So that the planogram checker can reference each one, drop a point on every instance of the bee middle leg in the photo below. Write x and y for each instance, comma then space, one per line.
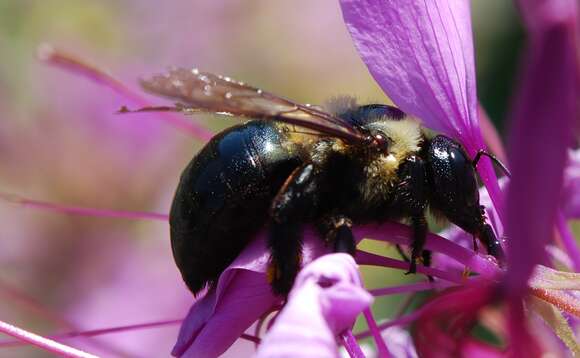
294, 202
412, 199
337, 230
419, 227
425, 257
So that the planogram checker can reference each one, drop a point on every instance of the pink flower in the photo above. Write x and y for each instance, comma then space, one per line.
243, 294
326, 299
421, 54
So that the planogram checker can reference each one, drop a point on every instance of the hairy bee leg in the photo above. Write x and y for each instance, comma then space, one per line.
419, 227
291, 205
286, 246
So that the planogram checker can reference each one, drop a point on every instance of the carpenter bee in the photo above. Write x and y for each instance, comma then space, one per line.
294, 164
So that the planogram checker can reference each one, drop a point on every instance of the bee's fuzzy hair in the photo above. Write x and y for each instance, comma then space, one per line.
406, 137
340, 104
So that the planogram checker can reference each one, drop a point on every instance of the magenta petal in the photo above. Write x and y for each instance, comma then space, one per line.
474, 349
571, 191
541, 15
446, 320
243, 294
400, 342
326, 299
214, 329
421, 54
243, 280
544, 117
344, 297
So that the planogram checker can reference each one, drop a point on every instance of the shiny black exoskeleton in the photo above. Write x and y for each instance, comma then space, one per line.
261, 174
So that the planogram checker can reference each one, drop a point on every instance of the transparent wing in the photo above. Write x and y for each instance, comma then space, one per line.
202, 91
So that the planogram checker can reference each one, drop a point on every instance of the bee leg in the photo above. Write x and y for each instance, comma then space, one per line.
337, 230
402, 253
484, 232
491, 243
293, 203
286, 247
427, 262
419, 227
344, 240
412, 199
425, 257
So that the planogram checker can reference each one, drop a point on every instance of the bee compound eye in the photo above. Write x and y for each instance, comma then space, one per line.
382, 142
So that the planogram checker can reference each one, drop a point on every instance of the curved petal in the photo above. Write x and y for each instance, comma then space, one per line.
571, 192
243, 294
215, 322
326, 299
544, 116
443, 328
400, 342
541, 15
421, 54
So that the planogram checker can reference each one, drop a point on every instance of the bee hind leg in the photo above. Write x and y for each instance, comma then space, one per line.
290, 208
286, 247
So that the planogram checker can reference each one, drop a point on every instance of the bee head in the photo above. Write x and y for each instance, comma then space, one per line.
453, 180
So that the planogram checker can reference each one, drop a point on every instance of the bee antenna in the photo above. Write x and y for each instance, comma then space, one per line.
498, 162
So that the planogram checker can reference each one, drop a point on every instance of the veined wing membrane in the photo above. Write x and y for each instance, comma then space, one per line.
202, 91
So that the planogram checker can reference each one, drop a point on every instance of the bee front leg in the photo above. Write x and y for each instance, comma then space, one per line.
492, 244
294, 203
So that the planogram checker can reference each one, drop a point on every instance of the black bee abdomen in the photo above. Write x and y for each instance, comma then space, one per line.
223, 198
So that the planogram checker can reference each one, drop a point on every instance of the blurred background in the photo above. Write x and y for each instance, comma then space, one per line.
61, 142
